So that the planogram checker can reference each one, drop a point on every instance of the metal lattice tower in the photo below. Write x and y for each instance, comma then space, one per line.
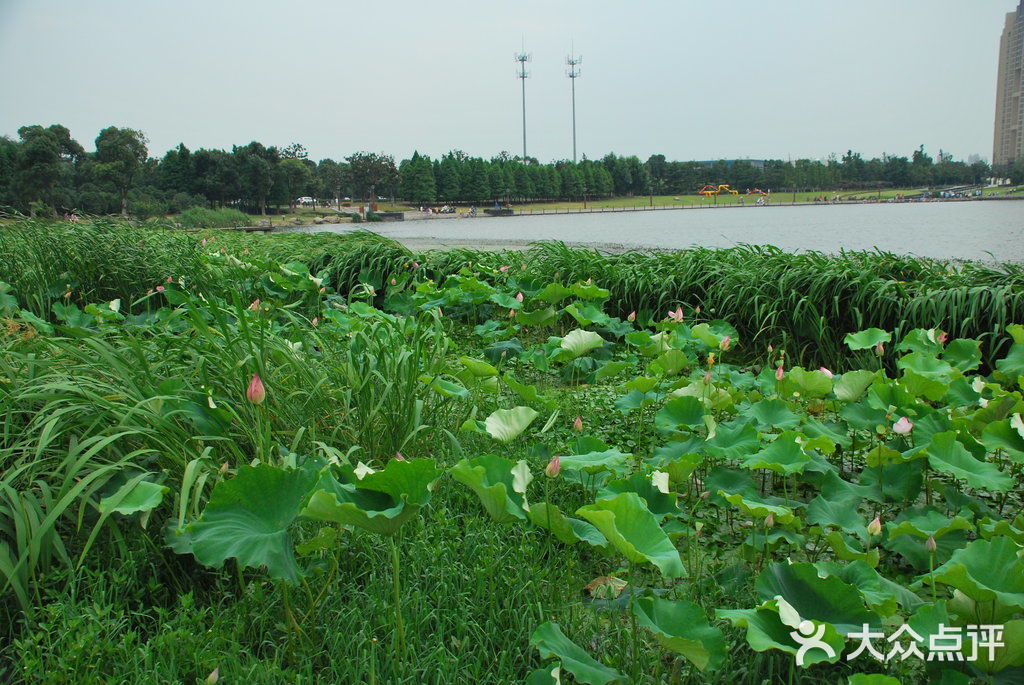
573, 72
522, 74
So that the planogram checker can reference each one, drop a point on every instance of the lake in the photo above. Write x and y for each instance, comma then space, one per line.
982, 230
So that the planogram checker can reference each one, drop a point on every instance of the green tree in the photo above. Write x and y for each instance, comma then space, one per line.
256, 166
296, 177
370, 170
39, 163
120, 153
417, 179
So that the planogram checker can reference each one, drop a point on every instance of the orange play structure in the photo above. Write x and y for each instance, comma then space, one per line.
711, 190
756, 191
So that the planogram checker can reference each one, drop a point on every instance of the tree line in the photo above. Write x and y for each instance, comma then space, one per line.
46, 170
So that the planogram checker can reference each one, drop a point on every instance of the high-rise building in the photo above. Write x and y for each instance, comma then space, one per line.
1009, 136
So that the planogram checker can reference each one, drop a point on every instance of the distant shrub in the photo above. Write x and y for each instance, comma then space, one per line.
182, 201
373, 216
145, 209
202, 217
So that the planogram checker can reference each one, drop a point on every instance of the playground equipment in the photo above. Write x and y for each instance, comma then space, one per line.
757, 191
711, 190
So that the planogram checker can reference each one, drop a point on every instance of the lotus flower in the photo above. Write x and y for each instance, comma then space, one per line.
394, 281
589, 281
779, 373
705, 495
399, 457
725, 343
875, 527
943, 337
707, 378
519, 296
503, 269
204, 241
256, 392
903, 426
316, 321
577, 425
879, 348
255, 305
213, 677
415, 265
632, 316
930, 545
159, 289
770, 348
552, 469
676, 315
769, 520
826, 372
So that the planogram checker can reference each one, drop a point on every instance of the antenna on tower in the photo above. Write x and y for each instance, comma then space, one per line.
573, 72
522, 74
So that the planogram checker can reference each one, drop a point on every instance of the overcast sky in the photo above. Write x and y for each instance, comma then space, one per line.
691, 80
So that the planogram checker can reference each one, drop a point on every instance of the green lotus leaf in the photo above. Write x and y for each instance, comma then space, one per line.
1012, 365
680, 411
733, 440
852, 385
498, 483
900, 481
505, 425
847, 549
985, 570
1016, 331
963, 353
634, 531
948, 455
836, 432
922, 341
635, 399
449, 389
566, 530
546, 676
478, 367
1014, 530
610, 369
912, 548
805, 383
248, 518
672, 362
827, 600
928, 366
594, 462
924, 523
658, 503
505, 300
587, 315
881, 594
586, 291
551, 642
553, 293
683, 628
772, 413
527, 393
1010, 655
839, 510
712, 334
765, 630
579, 342
921, 386
1001, 435
134, 496
756, 508
784, 455
968, 610
545, 316
868, 338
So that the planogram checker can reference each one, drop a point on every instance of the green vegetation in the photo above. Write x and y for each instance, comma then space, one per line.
320, 457
201, 217
47, 171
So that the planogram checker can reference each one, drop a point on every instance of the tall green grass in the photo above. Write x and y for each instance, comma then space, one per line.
203, 217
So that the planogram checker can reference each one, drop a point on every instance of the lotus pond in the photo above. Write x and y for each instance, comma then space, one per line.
229, 458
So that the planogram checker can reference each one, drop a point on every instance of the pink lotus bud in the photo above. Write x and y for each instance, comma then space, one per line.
577, 425
159, 289
440, 312
930, 545
779, 373
316, 321
255, 305
725, 343
697, 310
875, 527
256, 392
415, 265
168, 279
632, 316
769, 520
706, 494
511, 313
707, 378
826, 372
213, 677
879, 348
399, 457
503, 269
943, 337
223, 468
148, 292
589, 281
323, 290
519, 296
903, 426
394, 281
552, 469
203, 241
770, 348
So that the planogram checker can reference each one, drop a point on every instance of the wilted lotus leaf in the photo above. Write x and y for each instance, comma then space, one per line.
605, 587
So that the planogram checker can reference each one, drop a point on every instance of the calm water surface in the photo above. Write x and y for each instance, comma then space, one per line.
963, 230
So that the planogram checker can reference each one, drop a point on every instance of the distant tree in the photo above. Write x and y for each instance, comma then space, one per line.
477, 187
256, 166
295, 179
39, 163
294, 151
120, 153
8, 171
176, 170
370, 170
449, 182
332, 180
417, 179
523, 184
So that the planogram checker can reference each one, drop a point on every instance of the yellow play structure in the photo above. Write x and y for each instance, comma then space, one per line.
711, 190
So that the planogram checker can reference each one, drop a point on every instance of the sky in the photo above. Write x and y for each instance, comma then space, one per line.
690, 80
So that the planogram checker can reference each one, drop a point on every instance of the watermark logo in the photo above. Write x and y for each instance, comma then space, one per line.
809, 637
